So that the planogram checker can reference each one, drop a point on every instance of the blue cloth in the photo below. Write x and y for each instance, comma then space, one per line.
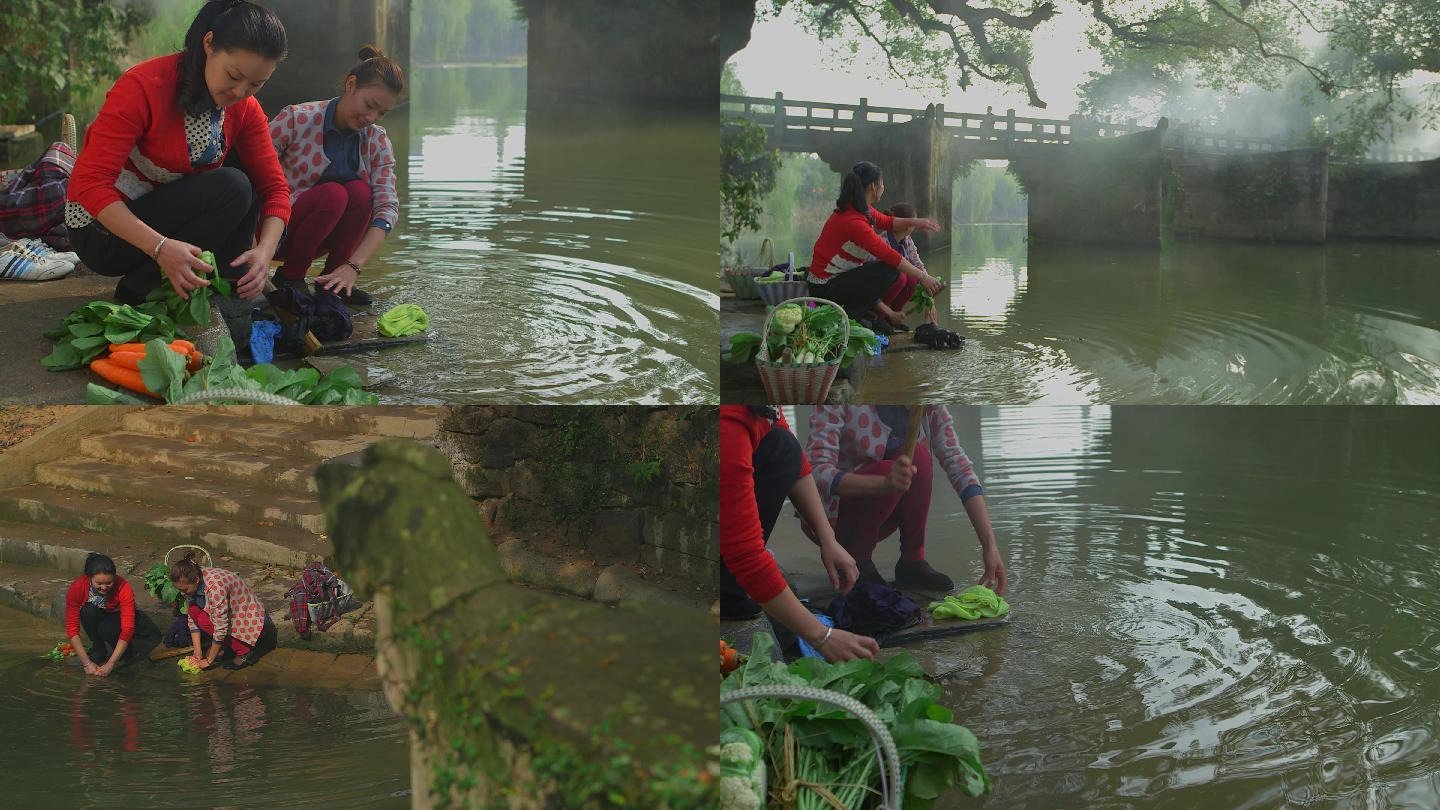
198, 598
262, 340
805, 648
342, 149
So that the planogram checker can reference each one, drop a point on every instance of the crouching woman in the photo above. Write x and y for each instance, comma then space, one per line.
226, 612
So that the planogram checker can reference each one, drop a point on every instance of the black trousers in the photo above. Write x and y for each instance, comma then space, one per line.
857, 289
103, 628
776, 462
215, 210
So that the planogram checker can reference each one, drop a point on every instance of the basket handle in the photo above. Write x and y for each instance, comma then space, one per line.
770, 318
209, 561
766, 257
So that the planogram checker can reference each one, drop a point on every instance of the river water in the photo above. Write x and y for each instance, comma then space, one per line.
563, 255
1212, 607
1197, 322
144, 738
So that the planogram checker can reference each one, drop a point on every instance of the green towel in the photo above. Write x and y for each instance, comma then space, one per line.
404, 320
975, 602
189, 667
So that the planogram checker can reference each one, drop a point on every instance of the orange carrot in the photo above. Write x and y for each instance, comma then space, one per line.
194, 361
177, 344
183, 347
130, 360
123, 377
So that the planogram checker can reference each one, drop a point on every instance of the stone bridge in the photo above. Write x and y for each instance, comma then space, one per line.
1091, 181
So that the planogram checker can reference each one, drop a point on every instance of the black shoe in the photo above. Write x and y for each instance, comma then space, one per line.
738, 608
933, 336
242, 661
880, 326
899, 327
868, 573
919, 575
356, 298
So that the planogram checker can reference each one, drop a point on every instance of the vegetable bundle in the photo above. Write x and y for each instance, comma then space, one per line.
62, 651
922, 301
158, 584
172, 376
801, 334
89, 329
823, 752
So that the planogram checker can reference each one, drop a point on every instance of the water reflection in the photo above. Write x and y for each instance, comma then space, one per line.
563, 254
1214, 607
145, 737
1199, 322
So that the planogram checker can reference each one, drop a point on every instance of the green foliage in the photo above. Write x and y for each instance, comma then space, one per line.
87, 332
643, 471
158, 585
794, 210
817, 335
747, 174
832, 748
1257, 190
988, 194
466, 30
51, 50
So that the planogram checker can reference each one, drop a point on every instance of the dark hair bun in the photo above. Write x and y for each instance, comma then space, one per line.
370, 52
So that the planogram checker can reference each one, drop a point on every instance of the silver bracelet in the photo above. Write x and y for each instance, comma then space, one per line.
821, 643
156, 254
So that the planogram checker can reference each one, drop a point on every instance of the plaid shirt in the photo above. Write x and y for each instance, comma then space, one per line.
32, 203
317, 584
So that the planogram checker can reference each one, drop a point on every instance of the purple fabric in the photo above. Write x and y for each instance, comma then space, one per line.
873, 609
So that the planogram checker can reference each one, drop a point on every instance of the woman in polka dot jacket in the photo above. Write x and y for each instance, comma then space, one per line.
341, 170
871, 490
225, 610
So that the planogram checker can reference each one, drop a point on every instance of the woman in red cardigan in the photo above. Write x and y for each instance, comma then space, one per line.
760, 465
340, 167
852, 265
103, 603
150, 191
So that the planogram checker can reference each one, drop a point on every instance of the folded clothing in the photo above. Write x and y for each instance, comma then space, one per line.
975, 602
874, 609
403, 321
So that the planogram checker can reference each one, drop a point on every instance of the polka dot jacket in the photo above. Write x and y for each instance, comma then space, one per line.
847, 437
233, 607
298, 132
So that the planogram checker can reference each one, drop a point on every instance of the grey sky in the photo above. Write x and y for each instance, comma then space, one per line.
781, 57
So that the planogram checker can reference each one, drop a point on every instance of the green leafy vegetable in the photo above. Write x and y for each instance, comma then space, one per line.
196, 310
88, 330
834, 752
158, 584
922, 301
812, 335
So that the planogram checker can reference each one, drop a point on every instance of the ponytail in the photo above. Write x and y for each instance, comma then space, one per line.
376, 68
237, 24
852, 189
185, 569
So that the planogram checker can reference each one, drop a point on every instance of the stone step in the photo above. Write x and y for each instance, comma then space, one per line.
396, 422
185, 491
64, 550
243, 467
280, 439
34, 591
162, 526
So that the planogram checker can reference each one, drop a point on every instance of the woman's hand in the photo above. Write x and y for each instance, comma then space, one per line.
340, 281
178, 262
845, 646
90, 668
994, 578
927, 224
932, 284
840, 566
105, 670
901, 473
893, 316
256, 262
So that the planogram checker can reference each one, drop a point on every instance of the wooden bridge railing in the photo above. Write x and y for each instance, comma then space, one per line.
795, 117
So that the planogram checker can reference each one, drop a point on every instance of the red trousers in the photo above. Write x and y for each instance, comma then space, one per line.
900, 292
202, 620
865, 521
329, 218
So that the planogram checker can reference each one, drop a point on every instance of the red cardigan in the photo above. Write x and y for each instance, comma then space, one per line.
121, 598
742, 540
848, 241
138, 142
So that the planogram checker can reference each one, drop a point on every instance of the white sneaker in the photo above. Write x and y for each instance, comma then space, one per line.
19, 265
44, 251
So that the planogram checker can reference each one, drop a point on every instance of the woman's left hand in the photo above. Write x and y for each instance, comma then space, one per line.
340, 281
929, 225
840, 566
256, 263
995, 578
104, 669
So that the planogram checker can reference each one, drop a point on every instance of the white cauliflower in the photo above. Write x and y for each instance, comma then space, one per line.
788, 317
